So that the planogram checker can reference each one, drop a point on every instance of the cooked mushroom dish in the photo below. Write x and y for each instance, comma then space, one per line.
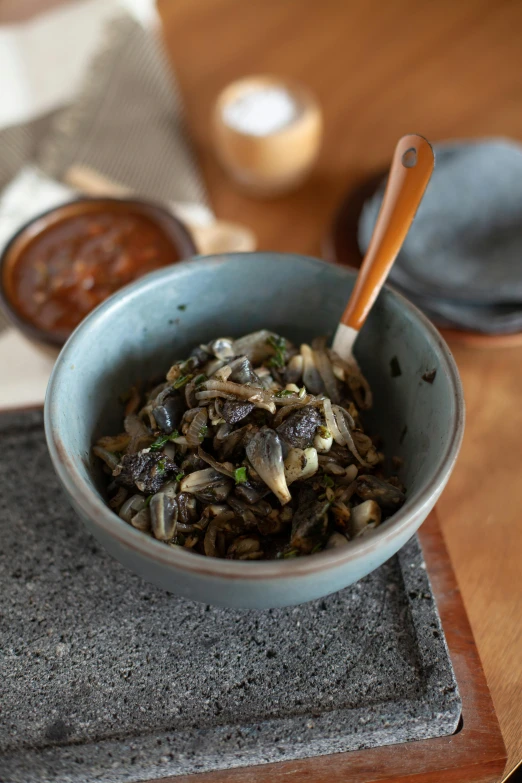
251, 449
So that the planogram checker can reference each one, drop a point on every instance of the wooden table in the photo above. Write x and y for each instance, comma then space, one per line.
443, 69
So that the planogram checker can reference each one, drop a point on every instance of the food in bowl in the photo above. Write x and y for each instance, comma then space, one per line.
251, 449
64, 263
132, 336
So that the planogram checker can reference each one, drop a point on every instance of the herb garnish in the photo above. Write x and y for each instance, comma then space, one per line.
284, 393
160, 442
240, 475
181, 381
279, 346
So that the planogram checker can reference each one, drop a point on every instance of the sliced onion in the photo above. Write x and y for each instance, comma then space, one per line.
204, 396
331, 422
311, 376
266, 406
239, 390
181, 441
108, 457
294, 369
131, 507
283, 412
114, 442
356, 381
230, 390
216, 525
283, 402
219, 466
340, 413
223, 374
324, 366
255, 346
140, 436
119, 498
193, 434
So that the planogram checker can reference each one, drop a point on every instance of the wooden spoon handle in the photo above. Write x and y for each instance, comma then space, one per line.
411, 168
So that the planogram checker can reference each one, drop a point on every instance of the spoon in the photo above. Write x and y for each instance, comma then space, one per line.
411, 168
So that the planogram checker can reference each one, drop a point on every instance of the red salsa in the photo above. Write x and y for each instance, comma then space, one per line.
77, 262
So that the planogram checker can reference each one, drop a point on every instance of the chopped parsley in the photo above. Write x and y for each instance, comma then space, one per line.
161, 467
199, 379
160, 442
181, 381
279, 346
328, 481
179, 476
148, 500
203, 432
240, 475
284, 393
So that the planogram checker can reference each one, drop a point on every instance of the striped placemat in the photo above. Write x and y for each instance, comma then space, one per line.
126, 123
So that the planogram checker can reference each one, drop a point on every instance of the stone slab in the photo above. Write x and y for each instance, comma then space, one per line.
104, 677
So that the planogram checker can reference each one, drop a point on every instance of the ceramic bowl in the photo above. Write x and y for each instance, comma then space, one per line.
142, 329
172, 228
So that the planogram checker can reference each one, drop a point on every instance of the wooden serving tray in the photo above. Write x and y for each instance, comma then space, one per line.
474, 754
60, 549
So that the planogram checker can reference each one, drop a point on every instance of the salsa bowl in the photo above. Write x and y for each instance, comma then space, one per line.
58, 266
139, 331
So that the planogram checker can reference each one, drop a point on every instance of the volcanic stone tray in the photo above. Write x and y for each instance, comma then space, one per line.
106, 678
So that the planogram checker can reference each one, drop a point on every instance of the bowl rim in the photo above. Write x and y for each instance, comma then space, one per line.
95, 509
166, 220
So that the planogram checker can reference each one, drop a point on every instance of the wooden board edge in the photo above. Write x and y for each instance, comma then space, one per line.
476, 753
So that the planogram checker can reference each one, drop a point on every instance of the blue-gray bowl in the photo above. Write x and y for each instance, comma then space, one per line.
142, 329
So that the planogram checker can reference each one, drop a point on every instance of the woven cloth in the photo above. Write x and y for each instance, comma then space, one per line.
125, 122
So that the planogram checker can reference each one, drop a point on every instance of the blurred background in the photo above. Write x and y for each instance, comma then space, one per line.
448, 70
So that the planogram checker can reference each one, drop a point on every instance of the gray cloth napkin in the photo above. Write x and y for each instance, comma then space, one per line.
462, 260
483, 318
